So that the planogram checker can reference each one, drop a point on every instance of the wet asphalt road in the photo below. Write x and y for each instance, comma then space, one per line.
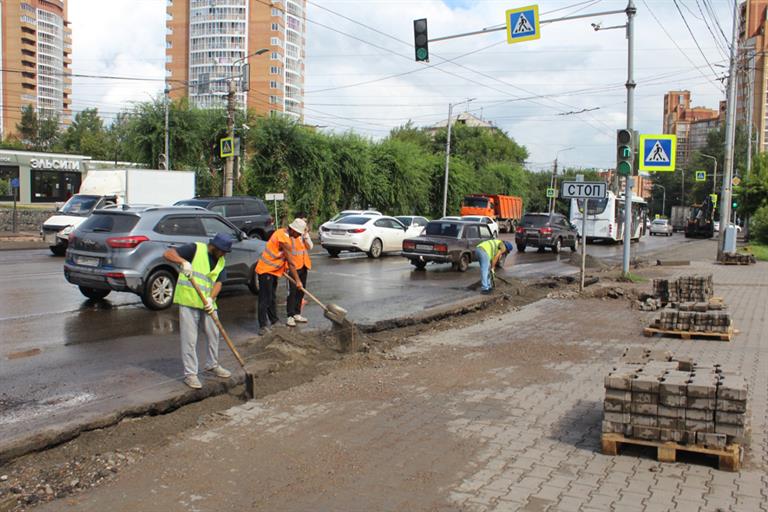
60, 353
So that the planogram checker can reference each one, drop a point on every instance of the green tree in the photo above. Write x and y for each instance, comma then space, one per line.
87, 136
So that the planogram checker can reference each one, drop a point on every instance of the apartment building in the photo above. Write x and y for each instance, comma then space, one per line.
209, 41
690, 124
36, 44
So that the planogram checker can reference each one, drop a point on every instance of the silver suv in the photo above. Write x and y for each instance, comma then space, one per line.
121, 250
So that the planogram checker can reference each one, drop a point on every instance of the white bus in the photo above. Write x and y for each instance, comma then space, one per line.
605, 217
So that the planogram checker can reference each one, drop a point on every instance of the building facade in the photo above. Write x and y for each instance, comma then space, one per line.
36, 45
690, 124
209, 41
752, 85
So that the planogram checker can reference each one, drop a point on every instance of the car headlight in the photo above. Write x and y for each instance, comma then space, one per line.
67, 230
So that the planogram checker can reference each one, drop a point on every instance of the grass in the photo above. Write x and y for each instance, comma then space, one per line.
759, 250
633, 278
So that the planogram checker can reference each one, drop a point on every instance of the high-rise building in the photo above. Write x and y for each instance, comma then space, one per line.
208, 41
690, 124
36, 45
752, 85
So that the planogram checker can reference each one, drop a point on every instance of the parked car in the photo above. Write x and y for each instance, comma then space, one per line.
249, 214
374, 235
492, 225
348, 213
661, 227
446, 241
546, 230
121, 249
414, 224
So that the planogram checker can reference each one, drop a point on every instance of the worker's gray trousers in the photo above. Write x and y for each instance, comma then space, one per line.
191, 321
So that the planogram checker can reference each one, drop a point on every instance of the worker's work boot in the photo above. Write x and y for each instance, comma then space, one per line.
291, 322
300, 319
220, 372
193, 382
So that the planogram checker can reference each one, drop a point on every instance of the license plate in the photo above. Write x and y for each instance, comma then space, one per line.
339, 233
423, 247
86, 261
50, 238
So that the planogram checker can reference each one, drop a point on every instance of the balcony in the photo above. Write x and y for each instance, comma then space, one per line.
27, 43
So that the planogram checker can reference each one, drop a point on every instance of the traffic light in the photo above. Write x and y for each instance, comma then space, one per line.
421, 40
625, 152
734, 203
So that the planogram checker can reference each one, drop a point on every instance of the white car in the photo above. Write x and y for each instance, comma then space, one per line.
347, 213
492, 224
373, 235
415, 224
661, 227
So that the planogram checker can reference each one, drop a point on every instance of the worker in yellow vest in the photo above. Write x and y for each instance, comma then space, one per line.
489, 253
272, 264
300, 247
205, 264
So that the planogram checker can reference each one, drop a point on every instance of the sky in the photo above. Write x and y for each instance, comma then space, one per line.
534, 91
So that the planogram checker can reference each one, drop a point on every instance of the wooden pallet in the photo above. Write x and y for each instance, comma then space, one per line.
729, 458
687, 335
735, 262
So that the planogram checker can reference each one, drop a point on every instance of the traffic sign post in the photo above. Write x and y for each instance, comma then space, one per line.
279, 196
550, 192
658, 153
523, 24
701, 175
227, 147
584, 190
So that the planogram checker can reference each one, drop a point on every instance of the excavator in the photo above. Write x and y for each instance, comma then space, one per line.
701, 222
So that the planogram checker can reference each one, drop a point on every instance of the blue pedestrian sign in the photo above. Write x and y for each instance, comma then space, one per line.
15, 183
523, 24
658, 152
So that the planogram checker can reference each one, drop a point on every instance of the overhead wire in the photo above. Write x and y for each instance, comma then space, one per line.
693, 36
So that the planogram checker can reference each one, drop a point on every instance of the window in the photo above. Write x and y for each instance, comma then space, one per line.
485, 232
276, 41
228, 209
275, 70
110, 223
7, 173
275, 27
273, 85
276, 56
447, 229
54, 186
471, 232
277, 12
274, 100
180, 226
214, 226
254, 208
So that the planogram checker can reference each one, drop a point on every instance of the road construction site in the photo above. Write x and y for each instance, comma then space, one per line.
496, 408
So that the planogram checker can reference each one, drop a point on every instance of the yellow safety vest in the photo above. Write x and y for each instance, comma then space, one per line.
491, 247
205, 278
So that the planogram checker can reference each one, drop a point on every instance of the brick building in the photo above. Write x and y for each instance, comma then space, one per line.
690, 124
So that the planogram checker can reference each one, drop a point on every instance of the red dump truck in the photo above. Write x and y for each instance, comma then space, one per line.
506, 210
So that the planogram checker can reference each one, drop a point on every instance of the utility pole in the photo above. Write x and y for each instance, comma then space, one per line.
448, 152
631, 11
552, 185
228, 177
730, 136
751, 103
167, 136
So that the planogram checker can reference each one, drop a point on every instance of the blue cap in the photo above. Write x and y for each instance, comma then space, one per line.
508, 245
222, 242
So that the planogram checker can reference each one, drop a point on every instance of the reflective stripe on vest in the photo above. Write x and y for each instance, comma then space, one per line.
205, 278
300, 254
491, 247
272, 260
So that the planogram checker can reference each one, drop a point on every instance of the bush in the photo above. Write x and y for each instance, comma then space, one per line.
759, 224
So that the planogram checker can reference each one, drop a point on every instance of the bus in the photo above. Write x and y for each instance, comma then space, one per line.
605, 217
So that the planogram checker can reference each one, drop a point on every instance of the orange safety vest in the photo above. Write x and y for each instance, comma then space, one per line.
272, 260
300, 254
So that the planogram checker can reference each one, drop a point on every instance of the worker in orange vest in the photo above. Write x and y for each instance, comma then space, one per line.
300, 247
272, 264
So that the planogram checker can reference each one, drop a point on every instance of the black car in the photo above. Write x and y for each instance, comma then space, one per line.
446, 241
546, 230
247, 213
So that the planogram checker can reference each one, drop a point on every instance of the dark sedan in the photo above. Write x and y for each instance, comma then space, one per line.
446, 241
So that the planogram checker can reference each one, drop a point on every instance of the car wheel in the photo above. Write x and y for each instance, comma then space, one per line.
333, 253
253, 282
256, 235
463, 264
93, 293
158, 291
420, 265
521, 247
575, 246
375, 250
557, 246
59, 250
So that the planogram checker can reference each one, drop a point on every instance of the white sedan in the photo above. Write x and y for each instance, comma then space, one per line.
358, 233
492, 224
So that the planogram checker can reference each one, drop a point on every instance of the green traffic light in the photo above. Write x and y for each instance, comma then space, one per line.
624, 169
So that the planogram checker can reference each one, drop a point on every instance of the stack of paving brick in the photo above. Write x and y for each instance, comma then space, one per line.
691, 289
739, 258
651, 397
690, 321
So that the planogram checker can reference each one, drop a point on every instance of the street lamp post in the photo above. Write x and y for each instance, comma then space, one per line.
448, 153
553, 181
714, 173
229, 179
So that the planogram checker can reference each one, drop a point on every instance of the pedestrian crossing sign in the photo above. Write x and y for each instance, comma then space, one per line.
658, 152
523, 24
701, 175
227, 147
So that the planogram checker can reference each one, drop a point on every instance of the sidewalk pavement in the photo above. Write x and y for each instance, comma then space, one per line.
503, 415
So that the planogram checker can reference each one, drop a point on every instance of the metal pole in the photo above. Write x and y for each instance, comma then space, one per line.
167, 136
714, 174
15, 218
750, 85
631, 11
583, 242
730, 136
552, 186
228, 177
447, 160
